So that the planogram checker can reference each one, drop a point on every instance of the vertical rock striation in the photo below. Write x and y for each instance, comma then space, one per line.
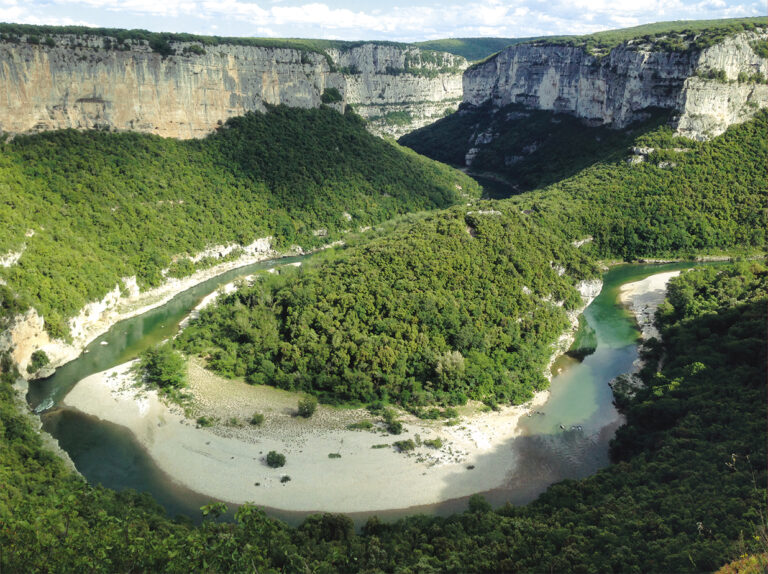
616, 88
77, 83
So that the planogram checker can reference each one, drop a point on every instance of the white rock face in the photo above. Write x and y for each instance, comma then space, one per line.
27, 333
10, 258
78, 84
377, 84
618, 88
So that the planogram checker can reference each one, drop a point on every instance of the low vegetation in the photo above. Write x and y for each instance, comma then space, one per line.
257, 419
275, 459
307, 406
676, 36
37, 361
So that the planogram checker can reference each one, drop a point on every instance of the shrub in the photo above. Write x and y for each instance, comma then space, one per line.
405, 445
163, 367
362, 425
257, 419
275, 459
307, 406
434, 443
334, 455
285, 478
205, 421
162, 47
194, 49
37, 361
394, 426
331, 96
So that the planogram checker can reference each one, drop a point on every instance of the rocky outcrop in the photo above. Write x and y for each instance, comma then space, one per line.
709, 105
26, 333
400, 89
78, 83
618, 88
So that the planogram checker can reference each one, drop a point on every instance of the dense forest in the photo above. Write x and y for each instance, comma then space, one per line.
87, 208
641, 192
685, 493
463, 303
472, 49
436, 307
455, 305
682, 198
530, 148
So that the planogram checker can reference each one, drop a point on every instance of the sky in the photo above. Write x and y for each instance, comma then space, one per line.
398, 20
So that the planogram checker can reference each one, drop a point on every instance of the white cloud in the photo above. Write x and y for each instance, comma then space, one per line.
430, 18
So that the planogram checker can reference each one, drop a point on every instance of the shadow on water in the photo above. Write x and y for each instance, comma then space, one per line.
580, 401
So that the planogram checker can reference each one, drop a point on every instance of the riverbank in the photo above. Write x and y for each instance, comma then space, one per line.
361, 470
643, 298
27, 332
227, 460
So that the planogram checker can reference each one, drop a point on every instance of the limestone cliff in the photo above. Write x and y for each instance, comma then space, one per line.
77, 83
710, 88
400, 89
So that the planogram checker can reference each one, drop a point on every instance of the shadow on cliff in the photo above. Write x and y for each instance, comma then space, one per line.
515, 149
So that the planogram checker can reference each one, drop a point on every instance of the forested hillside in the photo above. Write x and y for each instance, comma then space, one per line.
666, 196
85, 208
529, 149
461, 304
685, 495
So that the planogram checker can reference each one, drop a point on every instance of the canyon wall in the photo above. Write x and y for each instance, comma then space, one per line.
77, 82
710, 88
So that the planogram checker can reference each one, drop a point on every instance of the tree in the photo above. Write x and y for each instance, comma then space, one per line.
275, 459
164, 367
307, 406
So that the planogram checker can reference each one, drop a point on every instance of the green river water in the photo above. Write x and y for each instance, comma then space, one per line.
580, 401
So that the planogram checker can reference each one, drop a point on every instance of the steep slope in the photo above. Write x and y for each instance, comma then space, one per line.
85, 212
467, 303
711, 78
519, 149
183, 86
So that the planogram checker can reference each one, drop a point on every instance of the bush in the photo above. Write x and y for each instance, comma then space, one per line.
405, 445
194, 49
275, 459
362, 425
434, 443
307, 407
38, 360
162, 47
205, 421
163, 367
331, 96
334, 455
257, 419
394, 426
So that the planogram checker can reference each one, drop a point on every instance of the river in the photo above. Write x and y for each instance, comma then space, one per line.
580, 401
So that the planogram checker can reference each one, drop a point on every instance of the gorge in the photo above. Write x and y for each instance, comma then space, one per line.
136, 165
